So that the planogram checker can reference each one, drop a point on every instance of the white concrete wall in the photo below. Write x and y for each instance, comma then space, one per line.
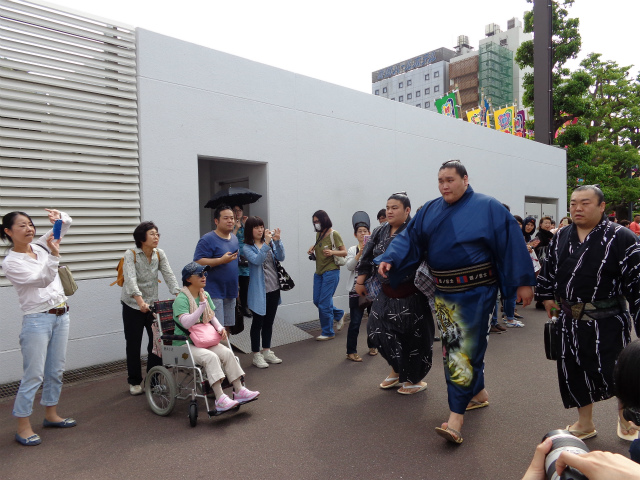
324, 146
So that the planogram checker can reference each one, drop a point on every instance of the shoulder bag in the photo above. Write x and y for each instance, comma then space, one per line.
204, 335
284, 279
69, 285
238, 327
339, 261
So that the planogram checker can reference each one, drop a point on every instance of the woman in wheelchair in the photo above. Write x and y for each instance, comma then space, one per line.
193, 305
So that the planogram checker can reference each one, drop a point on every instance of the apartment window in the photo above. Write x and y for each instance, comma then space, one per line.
417, 93
419, 105
400, 98
427, 104
377, 92
400, 85
426, 77
436, 88
384, 89
408, 83
408, 96
427, 91
436, 74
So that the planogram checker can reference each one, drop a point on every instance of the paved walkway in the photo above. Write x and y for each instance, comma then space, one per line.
319, 417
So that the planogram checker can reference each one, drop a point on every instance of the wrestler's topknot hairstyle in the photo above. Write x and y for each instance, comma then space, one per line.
457, 164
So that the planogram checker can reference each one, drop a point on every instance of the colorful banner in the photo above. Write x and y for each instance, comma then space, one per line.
504, 119
520, 124
447, 105
475, 116
484, 113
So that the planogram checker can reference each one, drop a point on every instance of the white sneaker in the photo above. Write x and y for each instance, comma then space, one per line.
258, 361
322, 338
340, 323
135, 390
270, 357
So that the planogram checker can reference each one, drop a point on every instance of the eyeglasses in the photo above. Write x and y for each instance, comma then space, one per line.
404, 194
204, 273
155, 235
595, 185
450, 161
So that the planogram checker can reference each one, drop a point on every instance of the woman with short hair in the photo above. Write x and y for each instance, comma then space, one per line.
139, 291
32, 268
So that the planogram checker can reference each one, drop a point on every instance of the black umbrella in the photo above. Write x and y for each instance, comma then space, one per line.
233, 196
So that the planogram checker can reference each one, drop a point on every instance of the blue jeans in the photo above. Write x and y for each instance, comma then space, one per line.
509, 305
324, 287
225, 311
354, 329
43, 341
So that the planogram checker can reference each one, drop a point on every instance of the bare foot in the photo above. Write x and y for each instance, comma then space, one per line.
579, 427
445, 425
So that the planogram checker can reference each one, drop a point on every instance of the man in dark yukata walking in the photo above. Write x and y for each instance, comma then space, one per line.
593, 265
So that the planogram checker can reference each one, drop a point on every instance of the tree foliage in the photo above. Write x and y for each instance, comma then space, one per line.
602, 101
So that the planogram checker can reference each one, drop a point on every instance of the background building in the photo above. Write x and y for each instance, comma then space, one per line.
463, 75
417, 81
498, 70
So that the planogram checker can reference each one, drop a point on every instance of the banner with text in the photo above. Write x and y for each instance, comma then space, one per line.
504, 119
475, 116
447, 105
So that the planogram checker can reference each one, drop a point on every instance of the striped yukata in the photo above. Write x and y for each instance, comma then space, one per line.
608, 266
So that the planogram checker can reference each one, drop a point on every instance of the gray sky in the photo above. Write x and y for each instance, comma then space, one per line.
342, 42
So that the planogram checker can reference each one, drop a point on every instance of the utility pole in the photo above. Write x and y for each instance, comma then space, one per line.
542, 69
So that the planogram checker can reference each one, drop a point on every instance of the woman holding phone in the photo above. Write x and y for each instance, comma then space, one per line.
32, 268
262, 247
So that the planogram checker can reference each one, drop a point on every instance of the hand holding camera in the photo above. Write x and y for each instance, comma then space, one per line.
268, 236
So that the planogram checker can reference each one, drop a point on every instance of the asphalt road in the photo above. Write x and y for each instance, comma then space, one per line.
319, 416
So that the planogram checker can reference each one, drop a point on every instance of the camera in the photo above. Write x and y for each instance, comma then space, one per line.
312, 256
563, 441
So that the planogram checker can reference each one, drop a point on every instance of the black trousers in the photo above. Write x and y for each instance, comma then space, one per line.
135, 322
243, 283
262, 325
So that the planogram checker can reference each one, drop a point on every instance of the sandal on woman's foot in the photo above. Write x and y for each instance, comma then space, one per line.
389, 382
410, 389
450, 435
373, 351
354, 357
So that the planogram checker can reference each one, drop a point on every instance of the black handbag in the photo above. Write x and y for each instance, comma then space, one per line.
551, 339
284, 279
239, 326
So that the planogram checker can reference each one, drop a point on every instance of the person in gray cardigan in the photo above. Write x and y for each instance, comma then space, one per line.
139, 291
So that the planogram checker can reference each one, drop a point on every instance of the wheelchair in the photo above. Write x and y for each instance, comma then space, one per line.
179, 377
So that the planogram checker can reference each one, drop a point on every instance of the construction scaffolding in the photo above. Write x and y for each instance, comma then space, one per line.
496, 74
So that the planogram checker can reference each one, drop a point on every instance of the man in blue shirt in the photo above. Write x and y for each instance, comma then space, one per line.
218, 249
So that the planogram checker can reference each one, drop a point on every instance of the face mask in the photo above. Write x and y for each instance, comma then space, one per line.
318, 227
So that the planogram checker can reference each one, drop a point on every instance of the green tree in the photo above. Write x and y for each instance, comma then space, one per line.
604, 146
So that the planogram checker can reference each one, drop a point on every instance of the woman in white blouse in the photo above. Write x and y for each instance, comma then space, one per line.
32, 268
139, 291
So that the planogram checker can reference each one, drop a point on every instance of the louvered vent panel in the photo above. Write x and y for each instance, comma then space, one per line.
69, 129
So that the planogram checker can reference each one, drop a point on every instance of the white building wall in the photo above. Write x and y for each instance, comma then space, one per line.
310, 145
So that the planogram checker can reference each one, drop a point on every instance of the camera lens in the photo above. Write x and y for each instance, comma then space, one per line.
563, 441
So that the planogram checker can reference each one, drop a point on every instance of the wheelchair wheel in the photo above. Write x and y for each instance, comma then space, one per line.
193, 414
160, 388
